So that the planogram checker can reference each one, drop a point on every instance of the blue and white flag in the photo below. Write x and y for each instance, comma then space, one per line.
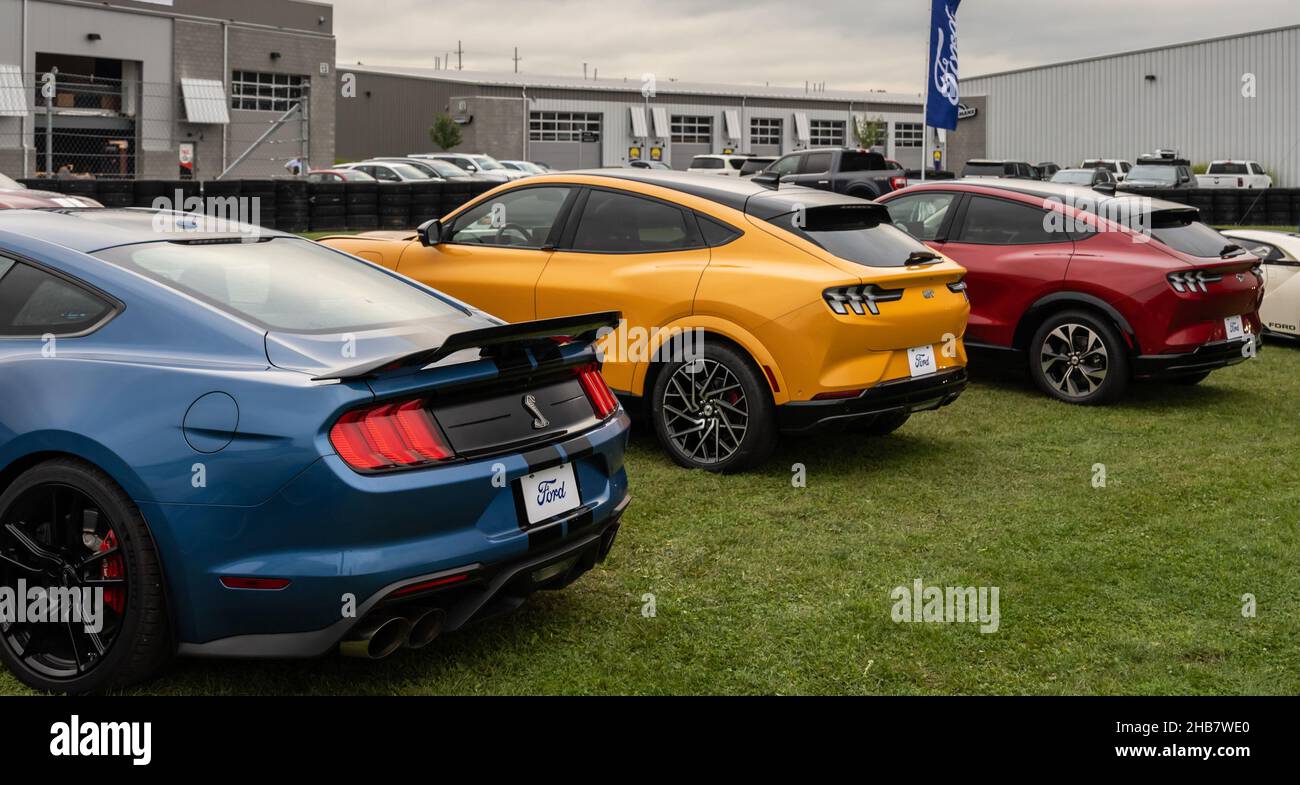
941, 93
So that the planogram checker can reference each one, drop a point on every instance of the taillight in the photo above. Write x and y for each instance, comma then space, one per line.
1197, 280
389, 436
898, 183
843, 298
602, 398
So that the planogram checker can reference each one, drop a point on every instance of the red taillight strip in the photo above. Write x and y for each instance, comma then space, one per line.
389, 436
433, 584
602, 398
263, 584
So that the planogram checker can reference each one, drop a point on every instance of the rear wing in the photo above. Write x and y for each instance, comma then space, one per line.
583, 328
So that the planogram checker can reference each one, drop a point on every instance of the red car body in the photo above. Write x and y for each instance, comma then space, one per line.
1168, 290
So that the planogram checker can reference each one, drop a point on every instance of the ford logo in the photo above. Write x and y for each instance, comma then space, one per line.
928, 294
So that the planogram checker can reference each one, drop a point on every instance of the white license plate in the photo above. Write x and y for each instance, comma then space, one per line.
920, 361
1235, 327
549, 493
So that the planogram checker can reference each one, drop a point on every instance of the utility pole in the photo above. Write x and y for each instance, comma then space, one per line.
460, 51
517, 58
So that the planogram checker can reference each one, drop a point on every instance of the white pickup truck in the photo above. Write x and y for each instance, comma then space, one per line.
1234, 174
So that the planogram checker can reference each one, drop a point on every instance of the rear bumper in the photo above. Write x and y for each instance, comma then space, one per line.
912, 395
1219, 354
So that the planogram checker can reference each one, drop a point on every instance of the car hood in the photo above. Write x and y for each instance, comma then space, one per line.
318, 353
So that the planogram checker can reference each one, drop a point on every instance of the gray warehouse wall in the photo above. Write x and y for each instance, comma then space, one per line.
1108, 108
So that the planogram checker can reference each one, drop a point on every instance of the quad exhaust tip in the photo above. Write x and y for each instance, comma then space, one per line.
426, 626
376, 639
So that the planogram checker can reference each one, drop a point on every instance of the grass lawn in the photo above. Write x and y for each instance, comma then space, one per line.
761, 587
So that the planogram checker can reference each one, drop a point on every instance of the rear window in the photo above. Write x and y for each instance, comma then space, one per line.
1164, 175
1107, 165
1190, 237
1073, 178
984, 170
857, 233
862, 162
1227, 169
701, 162
283, 284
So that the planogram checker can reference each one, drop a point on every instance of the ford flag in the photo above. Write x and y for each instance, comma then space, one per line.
941, 90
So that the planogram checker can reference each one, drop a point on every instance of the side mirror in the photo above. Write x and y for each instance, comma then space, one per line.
430, 233
471, 168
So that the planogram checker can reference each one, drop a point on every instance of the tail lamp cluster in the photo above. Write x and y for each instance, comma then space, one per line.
1194, 281
898, 183
859, 299
405, 435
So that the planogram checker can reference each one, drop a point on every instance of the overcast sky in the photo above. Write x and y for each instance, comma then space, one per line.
849, 44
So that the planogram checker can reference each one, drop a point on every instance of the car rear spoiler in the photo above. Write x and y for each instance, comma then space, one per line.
583, 328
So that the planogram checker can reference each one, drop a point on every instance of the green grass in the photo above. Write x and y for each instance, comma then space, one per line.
765, 588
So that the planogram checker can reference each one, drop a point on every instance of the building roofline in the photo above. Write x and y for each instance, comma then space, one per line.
1126, 53
546, 81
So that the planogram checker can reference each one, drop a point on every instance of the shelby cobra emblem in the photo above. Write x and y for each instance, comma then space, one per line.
539, 419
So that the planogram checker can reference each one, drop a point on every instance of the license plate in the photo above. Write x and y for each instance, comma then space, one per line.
1235, 327
920, 361
549, 493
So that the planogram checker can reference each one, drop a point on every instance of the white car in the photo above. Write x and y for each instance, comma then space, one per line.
1281, 254
388, 171
728, 165
1234, 174
483, 165
1115, 166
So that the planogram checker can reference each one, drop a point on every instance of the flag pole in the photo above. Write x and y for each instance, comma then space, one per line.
925, 99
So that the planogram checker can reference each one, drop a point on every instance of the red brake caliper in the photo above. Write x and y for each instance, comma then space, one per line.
114, 596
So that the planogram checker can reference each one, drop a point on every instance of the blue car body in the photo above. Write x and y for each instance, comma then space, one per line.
228, 455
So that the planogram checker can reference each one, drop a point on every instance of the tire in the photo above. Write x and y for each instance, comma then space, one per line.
883, 424
1192, 379
141, 643
745, 406
1086, 360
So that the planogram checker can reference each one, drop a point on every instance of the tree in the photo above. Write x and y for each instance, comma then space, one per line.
870, 131
445, 132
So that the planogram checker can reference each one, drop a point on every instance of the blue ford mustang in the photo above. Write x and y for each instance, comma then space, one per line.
251, 445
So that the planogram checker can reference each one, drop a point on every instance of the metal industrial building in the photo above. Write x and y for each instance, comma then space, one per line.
1235, 97
137, 88
577, 123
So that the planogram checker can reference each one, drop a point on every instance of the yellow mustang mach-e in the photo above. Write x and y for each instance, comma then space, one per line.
751, 308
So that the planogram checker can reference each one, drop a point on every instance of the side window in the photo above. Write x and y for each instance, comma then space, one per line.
620, 223
715, 232
34, 303
384, 173
518, 219
1000, 222
787, 165
921, 215
1264, 251
816, 163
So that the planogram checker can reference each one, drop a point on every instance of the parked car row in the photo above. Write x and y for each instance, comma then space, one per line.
1164, 169
445, 167
474, 416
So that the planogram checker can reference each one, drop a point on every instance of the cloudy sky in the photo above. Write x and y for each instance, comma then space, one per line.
849, 44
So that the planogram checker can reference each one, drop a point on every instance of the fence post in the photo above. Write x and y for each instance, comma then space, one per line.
47, 91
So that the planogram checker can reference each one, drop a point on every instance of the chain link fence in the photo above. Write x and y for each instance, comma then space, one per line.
72, 125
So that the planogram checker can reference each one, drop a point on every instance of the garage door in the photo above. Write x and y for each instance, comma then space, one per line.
683, 153
566, 155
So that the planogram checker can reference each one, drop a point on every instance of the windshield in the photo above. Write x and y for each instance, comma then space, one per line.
486, 162
444, 169
6, 182
407, 171
283, 284
984, 170
1165, 175
1073, 178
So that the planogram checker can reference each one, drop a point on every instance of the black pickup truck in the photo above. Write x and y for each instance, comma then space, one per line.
839, 169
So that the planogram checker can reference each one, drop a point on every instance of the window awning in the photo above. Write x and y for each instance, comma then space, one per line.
662, 129
733, 124
205, 101
801, 127
639, 129
13, 95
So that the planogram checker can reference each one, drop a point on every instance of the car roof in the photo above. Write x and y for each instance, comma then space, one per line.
734, 192
1048, 190
95, 229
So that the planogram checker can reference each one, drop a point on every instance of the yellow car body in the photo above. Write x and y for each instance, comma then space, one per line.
759, 279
